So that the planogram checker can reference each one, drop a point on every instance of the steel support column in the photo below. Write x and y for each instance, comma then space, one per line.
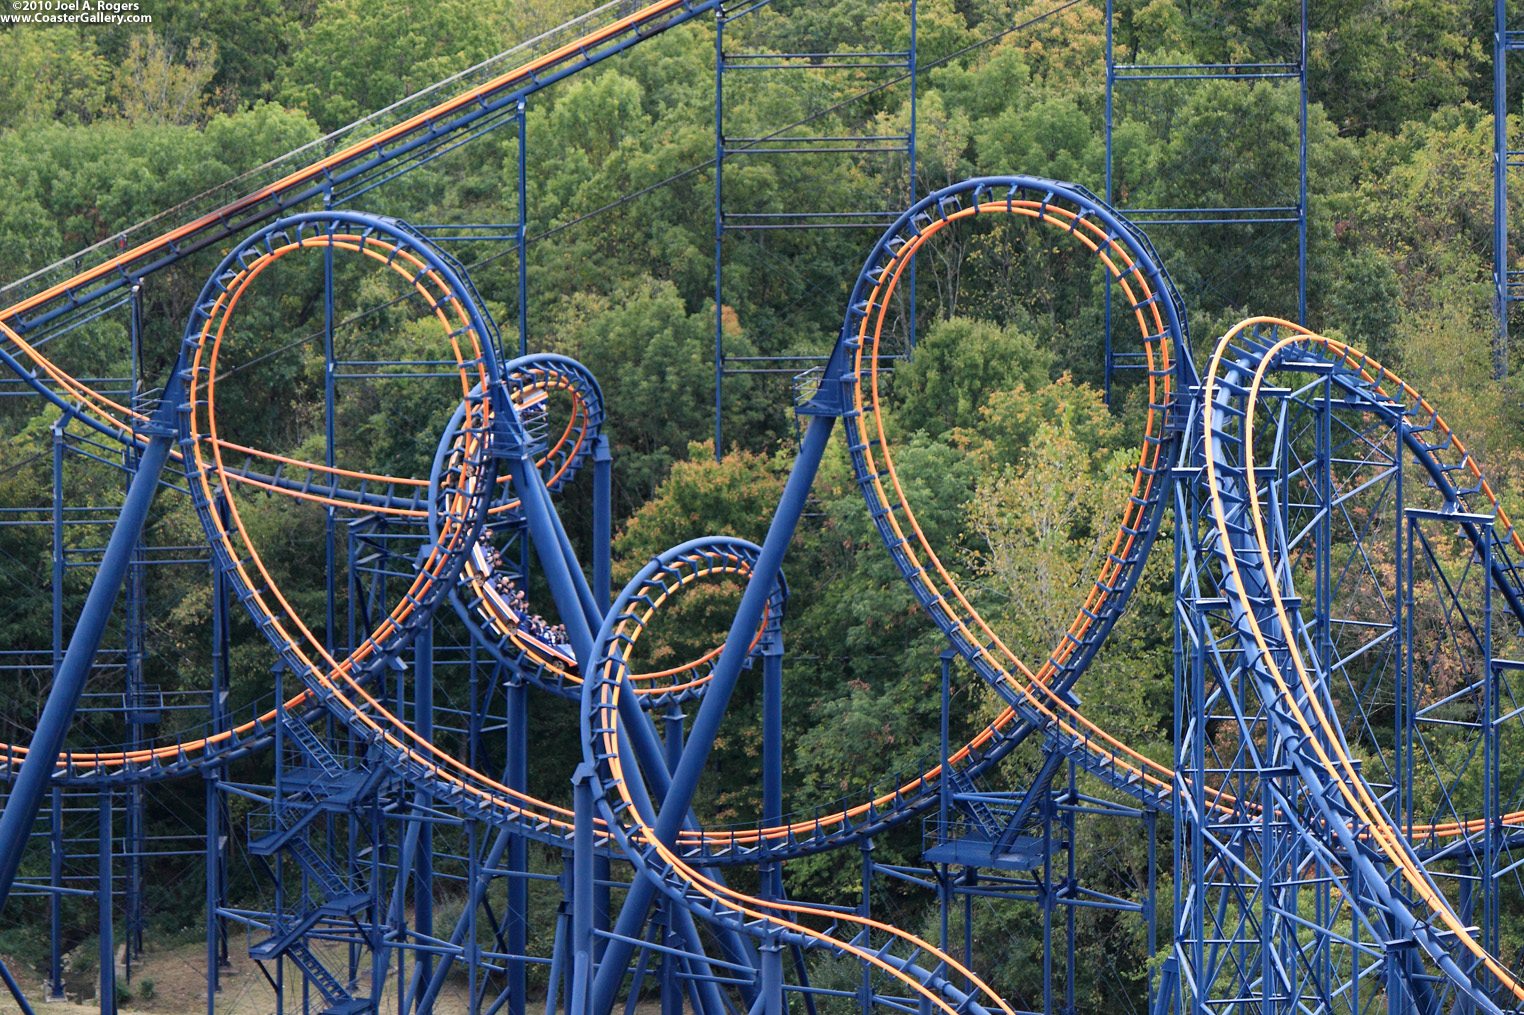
103, 893
727, 670
516, 777
1500, 165
423, 866
73, 671
603, 524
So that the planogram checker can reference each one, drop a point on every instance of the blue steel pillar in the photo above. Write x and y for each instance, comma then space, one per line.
970, 879
1500, 49
1301, 200
134, 839
330, 515
103, 890
1111, 73
212, 849
378, 928
210, 775
772, 732
330, 459
865, 940
1150, 825
279, 868
711, 711
1492, 810
914, 69
1402, 717
1071, 891
671, 986
523, 234
559, 982
603, 510
516, 777
53, 725
770, 874
423, 868
772, 976
944, 799
1045, 891
55, 904
601, 900
719, 223
944, 783
561, 963
217, 820
582, 893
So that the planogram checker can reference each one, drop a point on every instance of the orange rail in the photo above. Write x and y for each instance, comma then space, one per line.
308, 174
747, 907
1337, 764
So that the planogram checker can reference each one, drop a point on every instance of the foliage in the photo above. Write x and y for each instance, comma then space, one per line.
157, 88
1013, 462
357, 57
73, 185
1045, 518
50, 75
957, 366
656, 360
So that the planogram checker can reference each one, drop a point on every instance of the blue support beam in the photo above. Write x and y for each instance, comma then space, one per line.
516, 776
74, 669
1502, 292
423, 867
1278, 214
103, 891
603, 520
700, 739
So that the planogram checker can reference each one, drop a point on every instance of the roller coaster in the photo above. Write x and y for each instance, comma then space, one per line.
1345, 796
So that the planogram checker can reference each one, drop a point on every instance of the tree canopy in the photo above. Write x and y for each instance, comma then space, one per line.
1007, 445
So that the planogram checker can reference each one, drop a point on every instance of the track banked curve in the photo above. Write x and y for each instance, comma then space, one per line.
1037, 699
1267, 628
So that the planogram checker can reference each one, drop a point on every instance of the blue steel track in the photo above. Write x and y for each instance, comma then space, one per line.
1272, 791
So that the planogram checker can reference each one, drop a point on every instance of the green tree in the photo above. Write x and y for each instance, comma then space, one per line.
160, 86
1051, 137
359, 56
1046, 525
956, 367
73, 186
51, 73
655, 363
1365, 304
254, 40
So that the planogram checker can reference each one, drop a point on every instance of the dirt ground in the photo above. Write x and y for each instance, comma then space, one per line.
178, 987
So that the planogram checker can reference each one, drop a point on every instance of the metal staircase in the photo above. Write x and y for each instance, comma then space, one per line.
327, 785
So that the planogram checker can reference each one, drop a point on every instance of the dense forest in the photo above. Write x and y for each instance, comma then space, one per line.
1007, 436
